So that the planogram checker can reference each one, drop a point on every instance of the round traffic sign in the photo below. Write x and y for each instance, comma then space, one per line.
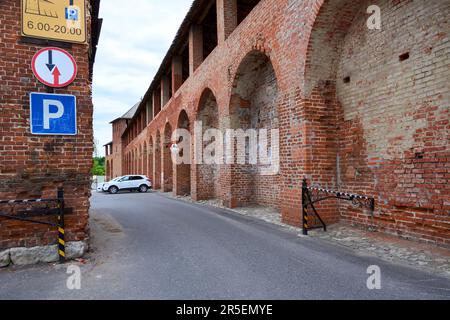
54, 67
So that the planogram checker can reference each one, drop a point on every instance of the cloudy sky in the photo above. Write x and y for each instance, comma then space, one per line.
134, 39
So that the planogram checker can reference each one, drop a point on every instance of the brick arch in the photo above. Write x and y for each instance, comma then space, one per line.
151, 159
167, 164
254, 105
134, 171
205, 90
244, 63
136, 160
206, 182
365, 107
259, 45
139, 159
145, 158
321, 110
332, 20
157, 161
182, 172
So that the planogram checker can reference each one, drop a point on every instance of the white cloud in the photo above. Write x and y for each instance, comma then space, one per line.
134, 39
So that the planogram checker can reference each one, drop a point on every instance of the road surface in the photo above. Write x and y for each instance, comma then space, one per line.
147, 246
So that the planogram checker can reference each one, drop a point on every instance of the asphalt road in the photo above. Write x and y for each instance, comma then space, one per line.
146, 246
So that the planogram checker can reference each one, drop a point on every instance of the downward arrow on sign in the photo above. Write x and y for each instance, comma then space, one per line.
56, 75
50, 64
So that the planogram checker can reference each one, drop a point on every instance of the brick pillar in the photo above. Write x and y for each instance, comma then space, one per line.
166, 162
195, 48
157, 165
150, 163
156, 102
149, 111
177, 73
226, 18
165, 93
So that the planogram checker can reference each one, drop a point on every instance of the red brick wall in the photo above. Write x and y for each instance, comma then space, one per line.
393, 115
35, 166
384, 134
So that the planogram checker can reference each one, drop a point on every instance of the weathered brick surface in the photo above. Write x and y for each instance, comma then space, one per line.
35, 166
352, 114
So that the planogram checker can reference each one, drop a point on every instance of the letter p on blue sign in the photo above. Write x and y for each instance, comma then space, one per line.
53, 114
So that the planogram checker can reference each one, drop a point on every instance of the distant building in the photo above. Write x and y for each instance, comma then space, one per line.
114, 150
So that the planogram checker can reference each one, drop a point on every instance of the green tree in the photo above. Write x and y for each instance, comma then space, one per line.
98, 166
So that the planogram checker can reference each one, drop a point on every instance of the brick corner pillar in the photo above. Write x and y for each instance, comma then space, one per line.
226, 18
177, 74
195, 47
165, 90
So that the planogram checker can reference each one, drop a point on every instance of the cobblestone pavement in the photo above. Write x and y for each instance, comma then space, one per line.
389, 248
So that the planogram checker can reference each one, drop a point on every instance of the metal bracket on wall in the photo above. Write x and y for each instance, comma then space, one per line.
312, 195
30, 210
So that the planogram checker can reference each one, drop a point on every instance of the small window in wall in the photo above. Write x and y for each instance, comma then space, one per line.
347, 79
244, 7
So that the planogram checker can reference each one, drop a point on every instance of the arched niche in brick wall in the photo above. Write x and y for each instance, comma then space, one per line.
150, 159
167, 176
157, 162
139, 159
254, 113
373, 104
207, 173
183, 170
145, 158
128, 163
135, 164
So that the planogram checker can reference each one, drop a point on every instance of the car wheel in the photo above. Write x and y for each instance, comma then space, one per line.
143, 188
113, 190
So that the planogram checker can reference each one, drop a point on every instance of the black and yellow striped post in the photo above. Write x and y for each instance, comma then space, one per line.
61, 231
305, 207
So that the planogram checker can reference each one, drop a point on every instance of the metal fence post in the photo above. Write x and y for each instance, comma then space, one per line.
61, 230
304, 207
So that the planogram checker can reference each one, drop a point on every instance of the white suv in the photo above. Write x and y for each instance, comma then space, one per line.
132, 182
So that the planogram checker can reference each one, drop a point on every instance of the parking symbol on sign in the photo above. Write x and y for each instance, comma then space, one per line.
53, 114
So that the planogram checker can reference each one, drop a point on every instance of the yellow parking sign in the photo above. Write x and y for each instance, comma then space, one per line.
62, 20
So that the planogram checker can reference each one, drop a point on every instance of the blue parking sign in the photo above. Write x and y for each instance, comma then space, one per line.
53, 114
